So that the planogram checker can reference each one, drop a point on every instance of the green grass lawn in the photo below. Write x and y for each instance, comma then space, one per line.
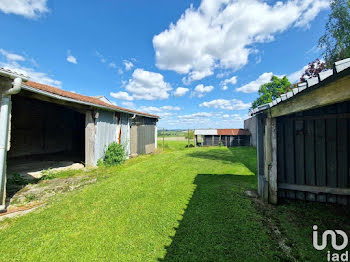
180, 205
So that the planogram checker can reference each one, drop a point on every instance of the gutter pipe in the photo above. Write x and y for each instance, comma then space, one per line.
4, 129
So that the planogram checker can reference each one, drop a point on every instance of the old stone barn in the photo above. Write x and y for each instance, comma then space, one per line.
303, 140
40, 123
224, 137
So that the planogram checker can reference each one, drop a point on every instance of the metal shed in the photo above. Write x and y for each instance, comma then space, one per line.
303, 140
225, 137
44, 123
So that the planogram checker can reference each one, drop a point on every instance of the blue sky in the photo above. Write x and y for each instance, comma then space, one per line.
197, 64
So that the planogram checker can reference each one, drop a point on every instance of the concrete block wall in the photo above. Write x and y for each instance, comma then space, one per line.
250, 124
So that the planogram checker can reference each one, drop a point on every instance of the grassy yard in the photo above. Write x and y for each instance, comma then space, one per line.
180, 205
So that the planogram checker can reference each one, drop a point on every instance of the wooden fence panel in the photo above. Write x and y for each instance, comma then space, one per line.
313, 151
342, 152
281, 174
320, 148
310, 177
289, 159
299, 157
331, 138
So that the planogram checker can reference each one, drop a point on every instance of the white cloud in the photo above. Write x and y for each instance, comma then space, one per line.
33, 75
201, 90
181, 91
220, 33
122, 96
254, 86
159, 109
222, 74
224, 84
148, 85
150, 109
19, 64
165, 114
112, 65
26, 8
233, 104
128, 65
71, 58
199, 115
173, 108
295, 76
130, 105
101, 57
11, 56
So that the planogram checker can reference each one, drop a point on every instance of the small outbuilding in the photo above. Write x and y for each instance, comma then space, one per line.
303, 140
225, 137
43, 123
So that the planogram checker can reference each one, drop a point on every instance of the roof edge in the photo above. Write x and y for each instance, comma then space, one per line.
101, 104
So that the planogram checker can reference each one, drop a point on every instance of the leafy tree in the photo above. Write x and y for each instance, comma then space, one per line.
189, 135
272, 90
313, 69
336, 40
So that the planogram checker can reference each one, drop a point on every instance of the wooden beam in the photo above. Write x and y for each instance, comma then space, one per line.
316, 189
260, 154
74, 106
320, 117
273, 162
335, 92
89, 139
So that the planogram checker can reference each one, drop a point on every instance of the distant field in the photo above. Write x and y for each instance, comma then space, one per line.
173, 138
171, 133
173, 144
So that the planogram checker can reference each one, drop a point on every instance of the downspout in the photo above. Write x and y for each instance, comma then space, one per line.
4, 129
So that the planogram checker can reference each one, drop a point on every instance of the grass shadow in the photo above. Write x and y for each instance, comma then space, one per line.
219, 223
245, 155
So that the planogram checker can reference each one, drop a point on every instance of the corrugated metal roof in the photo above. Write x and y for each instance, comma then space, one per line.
204, 132
312, 82
11, 74
233, 132
222, 132
74, 97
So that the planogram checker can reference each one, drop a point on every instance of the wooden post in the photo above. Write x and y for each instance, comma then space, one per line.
195, 140
273, 197
89, 139
163, 138
188, 137
262, 183
270, 161
212, 140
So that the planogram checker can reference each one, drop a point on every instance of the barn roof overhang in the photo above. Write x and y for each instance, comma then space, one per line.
61, 95
329, 87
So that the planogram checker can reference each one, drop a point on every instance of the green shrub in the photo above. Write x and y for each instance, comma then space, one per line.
16, 179
115, 155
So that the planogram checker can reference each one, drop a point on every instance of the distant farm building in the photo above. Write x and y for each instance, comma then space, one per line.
44, 123
224, 137
303, 140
